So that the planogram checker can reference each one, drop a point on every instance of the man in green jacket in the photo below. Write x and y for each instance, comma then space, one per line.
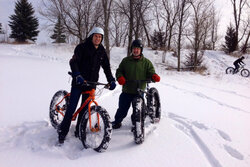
134, 67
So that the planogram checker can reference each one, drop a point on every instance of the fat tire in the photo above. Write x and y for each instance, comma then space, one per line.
154, 104
244, 72
55, 117
139, 117
105, 118
230, 70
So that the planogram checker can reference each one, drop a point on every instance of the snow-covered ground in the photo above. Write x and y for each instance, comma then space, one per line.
205, 118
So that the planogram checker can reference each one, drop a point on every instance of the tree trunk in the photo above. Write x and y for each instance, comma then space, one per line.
106, 10
131, 25
245, 46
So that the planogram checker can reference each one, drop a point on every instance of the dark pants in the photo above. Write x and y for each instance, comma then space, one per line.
236, 67
125, 101
73, 101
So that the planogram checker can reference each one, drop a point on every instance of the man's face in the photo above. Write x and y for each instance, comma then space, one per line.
136, 52
97, 38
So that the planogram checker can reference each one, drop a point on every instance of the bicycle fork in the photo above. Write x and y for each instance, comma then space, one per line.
97, 127
90, 100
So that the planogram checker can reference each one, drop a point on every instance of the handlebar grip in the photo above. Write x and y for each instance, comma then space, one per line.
70, 73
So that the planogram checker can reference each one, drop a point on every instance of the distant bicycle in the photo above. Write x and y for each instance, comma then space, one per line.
243, 71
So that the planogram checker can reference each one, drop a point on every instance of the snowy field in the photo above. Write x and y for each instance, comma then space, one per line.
205, 118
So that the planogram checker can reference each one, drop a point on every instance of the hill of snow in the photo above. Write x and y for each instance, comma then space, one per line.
205, 118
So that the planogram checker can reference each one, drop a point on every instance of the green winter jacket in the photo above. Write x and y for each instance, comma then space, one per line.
132, 69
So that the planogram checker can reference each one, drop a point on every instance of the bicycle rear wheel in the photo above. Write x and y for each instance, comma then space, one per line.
139, 117
55, 106
244, 73
230, 70
100, 138
154, 105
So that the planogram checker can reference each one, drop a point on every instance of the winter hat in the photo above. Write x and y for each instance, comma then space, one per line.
137, 44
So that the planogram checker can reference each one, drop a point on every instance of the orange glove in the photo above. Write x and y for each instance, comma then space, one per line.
156, 78
121, 80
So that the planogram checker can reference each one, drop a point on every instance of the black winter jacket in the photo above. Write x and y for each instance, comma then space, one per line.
87, 60
238, 61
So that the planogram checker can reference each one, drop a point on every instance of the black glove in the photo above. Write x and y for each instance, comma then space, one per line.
112, 85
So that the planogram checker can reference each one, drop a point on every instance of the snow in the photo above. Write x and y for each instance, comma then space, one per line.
205, 118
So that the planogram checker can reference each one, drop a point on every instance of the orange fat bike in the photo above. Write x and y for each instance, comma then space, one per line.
95, 127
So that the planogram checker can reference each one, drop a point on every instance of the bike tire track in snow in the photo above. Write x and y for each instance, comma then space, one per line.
199, 94
213, 88
191, 133
187, 127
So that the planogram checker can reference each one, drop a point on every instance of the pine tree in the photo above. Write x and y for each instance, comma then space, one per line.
59, 31
23, 23
158, 40
230, 40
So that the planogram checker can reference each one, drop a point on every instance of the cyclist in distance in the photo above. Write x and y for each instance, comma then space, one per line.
85, 64
237, 63
134, 67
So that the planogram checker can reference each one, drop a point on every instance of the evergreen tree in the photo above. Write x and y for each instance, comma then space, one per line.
230, 40
59, 31
158, 40
23, 23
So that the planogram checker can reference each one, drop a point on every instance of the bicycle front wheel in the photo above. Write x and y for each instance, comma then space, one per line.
244, 73
230, 70
59, 102
154, 105
139, 117
98, 136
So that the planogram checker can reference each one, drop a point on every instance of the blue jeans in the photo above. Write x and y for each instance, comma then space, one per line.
125, 101
75, 95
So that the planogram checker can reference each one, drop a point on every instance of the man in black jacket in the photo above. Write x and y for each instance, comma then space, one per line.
85, 64
237, 63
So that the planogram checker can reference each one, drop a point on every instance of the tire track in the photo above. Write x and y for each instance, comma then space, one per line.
213, 88
187, 128
201, 95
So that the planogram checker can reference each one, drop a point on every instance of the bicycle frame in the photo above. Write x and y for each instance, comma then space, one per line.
90, 100
140, 94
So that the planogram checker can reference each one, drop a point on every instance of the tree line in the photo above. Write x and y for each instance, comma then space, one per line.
169, 25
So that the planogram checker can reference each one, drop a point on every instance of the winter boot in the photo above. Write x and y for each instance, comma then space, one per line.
61, 139
116, 125
61, 136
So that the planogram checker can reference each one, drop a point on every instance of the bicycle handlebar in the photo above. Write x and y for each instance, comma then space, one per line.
87, 83
139, 81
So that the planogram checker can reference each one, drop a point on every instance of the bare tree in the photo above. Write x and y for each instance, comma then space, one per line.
142, 20
127, 8
107, 4
78, 16
136, 12
246, 44
170, 15
198, 23
131, 25
157, 15
119, 26
182, 17
238, 6
206, 29
214, 27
